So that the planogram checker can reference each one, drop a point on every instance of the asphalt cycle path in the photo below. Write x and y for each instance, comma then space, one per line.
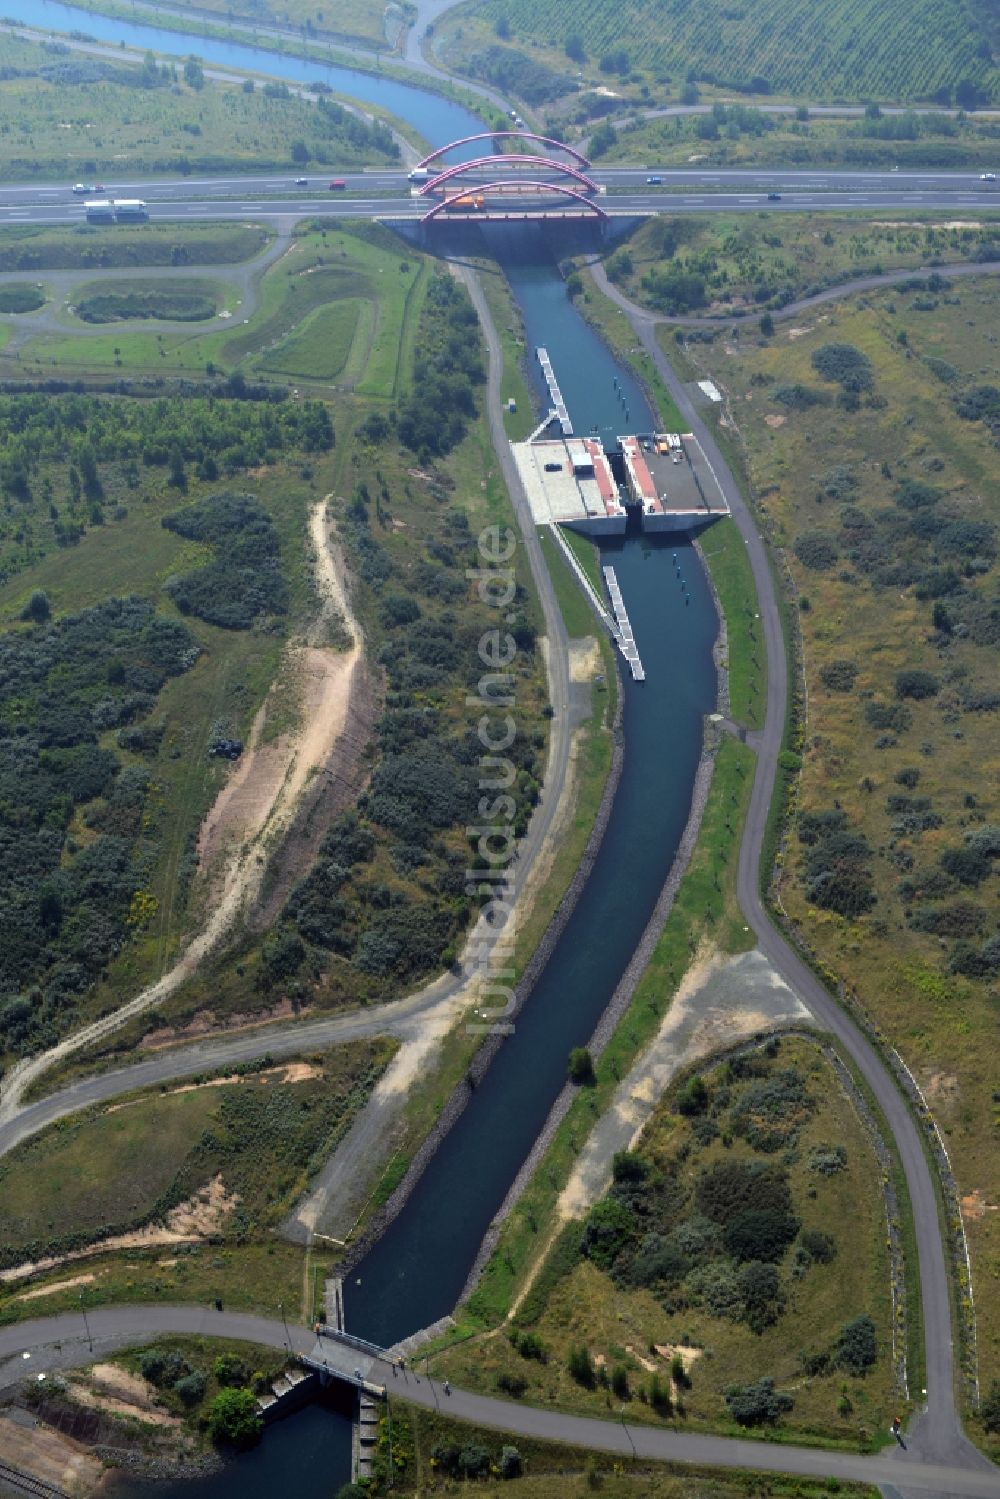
68, 1342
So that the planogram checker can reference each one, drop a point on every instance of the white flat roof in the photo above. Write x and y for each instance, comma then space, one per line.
558, 494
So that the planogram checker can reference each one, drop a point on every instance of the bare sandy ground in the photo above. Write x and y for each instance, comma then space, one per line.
108, 1387
721, 1001
57, 1285
584, 659
195, 1219
49, 1456
289, 1072
251, 817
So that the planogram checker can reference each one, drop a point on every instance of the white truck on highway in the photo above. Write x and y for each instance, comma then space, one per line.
116, 211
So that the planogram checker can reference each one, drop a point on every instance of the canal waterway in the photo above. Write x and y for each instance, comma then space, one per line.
417, 1270
415, 1273
583, 364
307, 1455
439, 120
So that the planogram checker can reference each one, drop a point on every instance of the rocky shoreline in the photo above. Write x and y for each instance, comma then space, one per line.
148, 1468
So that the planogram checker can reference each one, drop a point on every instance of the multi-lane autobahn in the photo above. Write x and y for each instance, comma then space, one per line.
624, 190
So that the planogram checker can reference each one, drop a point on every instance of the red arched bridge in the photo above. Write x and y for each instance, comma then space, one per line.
502, 135
472, 201
501, 163
506, 174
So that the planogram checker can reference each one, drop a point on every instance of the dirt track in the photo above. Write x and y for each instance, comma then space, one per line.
252, 813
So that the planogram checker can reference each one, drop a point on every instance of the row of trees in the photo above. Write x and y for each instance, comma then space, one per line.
447, 370
224, 435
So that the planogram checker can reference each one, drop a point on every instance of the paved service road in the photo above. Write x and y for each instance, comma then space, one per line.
937, 1431
63, 1343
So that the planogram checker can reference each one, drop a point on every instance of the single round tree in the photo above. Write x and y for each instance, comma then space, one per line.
581, 1065
37, 609
233, 1417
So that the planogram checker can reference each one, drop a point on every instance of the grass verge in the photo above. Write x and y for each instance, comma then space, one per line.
409, 1438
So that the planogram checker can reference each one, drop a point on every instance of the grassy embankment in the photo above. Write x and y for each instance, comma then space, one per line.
751, 53
507, 320
559, 1471
76, 117
355, 20
193, 299
724, 262
114, 1170
632, 1310
361, 295
32, 248
737, 135
877, 509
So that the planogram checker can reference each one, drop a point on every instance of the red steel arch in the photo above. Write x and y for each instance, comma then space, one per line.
492, 135
500, 162
492, 187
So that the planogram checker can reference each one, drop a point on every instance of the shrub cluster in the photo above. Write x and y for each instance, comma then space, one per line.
63, 908
514, 73
243, 580
757, 1404
448, 367
846, 365
838, 864
717, 1237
